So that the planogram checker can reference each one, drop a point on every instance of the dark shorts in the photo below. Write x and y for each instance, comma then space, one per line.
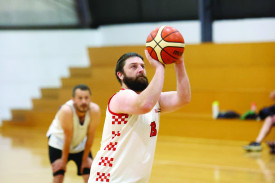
55, 154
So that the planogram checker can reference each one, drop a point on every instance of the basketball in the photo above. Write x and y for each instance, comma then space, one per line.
165, 44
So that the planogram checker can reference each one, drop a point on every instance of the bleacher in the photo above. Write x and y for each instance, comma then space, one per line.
233, 74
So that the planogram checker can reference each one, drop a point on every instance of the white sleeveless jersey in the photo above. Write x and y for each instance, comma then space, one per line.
127, 148
56, 132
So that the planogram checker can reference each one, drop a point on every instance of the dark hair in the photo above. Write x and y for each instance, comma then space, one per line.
81, 87
121, 62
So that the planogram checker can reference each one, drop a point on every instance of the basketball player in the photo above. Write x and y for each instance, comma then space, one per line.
132, 120
71, 134
269, 121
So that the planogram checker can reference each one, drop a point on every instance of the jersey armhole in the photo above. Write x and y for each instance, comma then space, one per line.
113, 113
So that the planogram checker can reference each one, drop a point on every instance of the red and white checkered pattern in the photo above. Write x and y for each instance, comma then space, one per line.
111, 146
114, 134
105, 161
103, 177
121, 119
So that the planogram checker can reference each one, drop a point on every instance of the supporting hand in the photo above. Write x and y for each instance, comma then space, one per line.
59, 164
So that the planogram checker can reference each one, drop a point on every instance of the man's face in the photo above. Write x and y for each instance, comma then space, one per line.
82, 100
134, 75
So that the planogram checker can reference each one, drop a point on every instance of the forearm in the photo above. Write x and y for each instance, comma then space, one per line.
151, 94
87, 149
183, 84
66, 148
272, 95
66, 121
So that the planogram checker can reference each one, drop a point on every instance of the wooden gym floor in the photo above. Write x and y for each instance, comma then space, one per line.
24, 158
191, 148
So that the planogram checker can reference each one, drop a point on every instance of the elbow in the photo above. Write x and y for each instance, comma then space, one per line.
186, 100
147, 107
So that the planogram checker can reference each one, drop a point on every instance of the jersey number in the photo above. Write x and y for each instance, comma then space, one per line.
153, 129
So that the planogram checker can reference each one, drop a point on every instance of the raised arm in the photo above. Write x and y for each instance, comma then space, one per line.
173, 100
130, 102
272, 95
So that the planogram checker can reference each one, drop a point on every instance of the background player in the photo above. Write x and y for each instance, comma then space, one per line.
269, 121
71, 134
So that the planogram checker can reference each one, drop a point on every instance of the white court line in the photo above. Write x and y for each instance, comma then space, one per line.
213, 166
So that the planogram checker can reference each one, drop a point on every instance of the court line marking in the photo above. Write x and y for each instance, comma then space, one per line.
164, 162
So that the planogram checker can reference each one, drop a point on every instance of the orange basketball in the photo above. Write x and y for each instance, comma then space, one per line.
165, 44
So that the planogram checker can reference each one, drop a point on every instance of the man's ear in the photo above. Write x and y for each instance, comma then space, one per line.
73, 99
120, 75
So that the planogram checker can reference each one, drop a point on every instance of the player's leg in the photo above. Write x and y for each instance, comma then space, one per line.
271, 144
86, 177
77, 158
256, 145
58, 178
54, 154
86, 171
265, 129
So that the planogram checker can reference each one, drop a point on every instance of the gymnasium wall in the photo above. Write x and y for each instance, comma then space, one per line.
30, 60
233, 74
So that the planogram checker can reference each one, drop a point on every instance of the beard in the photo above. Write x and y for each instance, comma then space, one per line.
82, 108
137, 84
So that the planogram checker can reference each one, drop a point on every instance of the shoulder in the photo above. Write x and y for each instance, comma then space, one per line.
124, 94
126, 91
65, 116
65, 109
94, 108
122, 97
95, 113
125, 101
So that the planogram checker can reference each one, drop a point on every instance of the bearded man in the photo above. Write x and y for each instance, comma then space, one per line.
132, 120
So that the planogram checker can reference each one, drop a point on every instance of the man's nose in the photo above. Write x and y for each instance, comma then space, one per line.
84, 100
140, 69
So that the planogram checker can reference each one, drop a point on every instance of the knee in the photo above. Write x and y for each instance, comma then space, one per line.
269, 120
58, 178
59, 173
272, 119
86, 171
